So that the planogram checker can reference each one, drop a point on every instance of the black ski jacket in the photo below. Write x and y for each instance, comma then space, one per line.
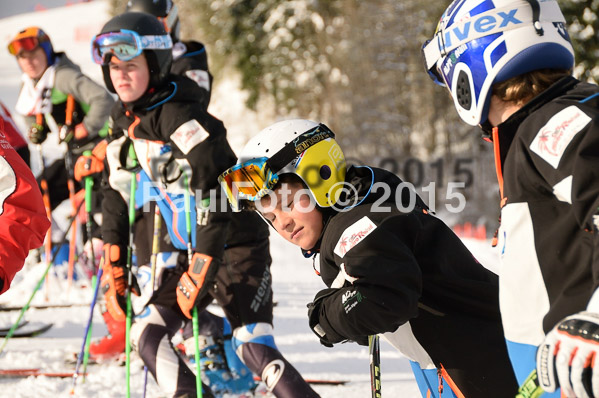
406, 274
549, 175
190, 59
173, 136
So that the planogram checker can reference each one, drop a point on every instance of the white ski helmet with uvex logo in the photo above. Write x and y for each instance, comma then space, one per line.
481, 42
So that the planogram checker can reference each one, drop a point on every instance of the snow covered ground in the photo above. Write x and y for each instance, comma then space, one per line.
295, 283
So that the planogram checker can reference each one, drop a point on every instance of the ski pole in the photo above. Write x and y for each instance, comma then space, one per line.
89, 184
155, 245
73, 242
70, 108
37, 287
46, 201
153, 261
375, 365
87, 334
196, 332
530, 388
129, 268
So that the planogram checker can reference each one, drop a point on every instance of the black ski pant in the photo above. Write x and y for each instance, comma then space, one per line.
243, 289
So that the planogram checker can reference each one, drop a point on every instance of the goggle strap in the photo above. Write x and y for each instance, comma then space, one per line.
156, 42
292, 150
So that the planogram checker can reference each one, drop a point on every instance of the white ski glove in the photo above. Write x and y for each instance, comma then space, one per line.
568, 357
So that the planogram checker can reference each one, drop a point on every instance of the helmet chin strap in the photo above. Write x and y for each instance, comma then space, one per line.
536, 14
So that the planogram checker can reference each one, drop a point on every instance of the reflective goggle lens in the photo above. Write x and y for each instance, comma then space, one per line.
25, 44
126, 45
122, 45
249, 180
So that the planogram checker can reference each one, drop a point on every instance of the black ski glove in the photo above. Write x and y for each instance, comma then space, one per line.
37, 133
319, 324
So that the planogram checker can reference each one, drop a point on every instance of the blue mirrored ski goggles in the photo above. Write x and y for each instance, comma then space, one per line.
126, 45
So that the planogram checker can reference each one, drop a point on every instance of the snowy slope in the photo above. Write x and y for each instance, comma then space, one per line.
295, 283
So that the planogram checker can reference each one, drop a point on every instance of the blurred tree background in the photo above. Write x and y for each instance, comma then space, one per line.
356, 65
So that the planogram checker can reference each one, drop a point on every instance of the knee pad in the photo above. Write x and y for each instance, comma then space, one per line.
258, 333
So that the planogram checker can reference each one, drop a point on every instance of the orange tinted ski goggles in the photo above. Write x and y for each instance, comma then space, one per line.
24, 44
249, 180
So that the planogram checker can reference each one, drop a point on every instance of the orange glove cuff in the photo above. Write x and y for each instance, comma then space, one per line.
99, 150
87, 165
193, 282
80, 131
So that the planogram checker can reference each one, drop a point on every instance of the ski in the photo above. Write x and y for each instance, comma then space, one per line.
35, 372
71, 360
318, 381
5, 329
28, 330
43, 306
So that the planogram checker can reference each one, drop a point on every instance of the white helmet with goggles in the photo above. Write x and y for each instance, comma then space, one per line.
301, 147
479, 43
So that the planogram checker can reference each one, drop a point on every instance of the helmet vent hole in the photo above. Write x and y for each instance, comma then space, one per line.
325, 172
464, 96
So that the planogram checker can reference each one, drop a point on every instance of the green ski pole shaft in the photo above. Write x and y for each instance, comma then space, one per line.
89, 185
194, 321
130, 271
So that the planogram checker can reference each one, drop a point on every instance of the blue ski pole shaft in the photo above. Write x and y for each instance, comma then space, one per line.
87, 334
35, 290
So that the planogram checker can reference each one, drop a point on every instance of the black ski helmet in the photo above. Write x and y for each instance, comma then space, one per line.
159, 61
166, 10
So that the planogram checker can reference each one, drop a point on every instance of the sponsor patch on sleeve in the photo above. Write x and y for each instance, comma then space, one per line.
353, 235
554, 137
188, 135
200, 77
